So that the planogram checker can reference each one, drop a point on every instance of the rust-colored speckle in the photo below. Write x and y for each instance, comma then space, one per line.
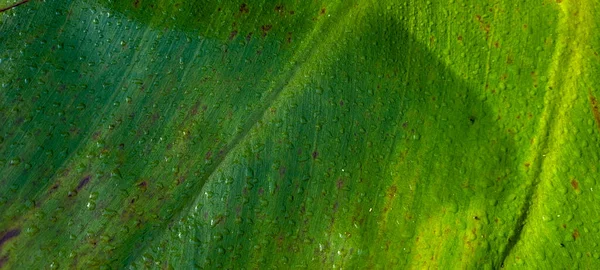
323, 11
265, 29
559, 1
595, 109
575, 184
244, 8
483, 26
575, 234
460, 38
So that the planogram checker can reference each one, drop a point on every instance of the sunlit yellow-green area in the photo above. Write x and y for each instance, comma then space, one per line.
286, 134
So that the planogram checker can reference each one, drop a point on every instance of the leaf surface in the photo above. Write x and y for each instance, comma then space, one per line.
367, 134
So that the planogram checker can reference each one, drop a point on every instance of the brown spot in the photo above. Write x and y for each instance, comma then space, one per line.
208, 155
496, 44
315, 154
323, 10
341, 103
527, 164
244, 8
143, 185
233, 34
575, 184
72, 193
392, 191
575, 234
460, 38
339, 184
279, 8
13, 6
288, 37
83, 182
483, 26
282, 171
9, 235
265, 29
559, 1
595, 110
3, 260
472, 119
155, 117
136, 3
180, 180
564, 226
292, 12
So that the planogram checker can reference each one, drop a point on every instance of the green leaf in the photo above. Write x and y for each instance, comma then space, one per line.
299, 134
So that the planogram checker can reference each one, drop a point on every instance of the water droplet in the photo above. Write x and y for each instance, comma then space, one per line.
15, 161
91, 205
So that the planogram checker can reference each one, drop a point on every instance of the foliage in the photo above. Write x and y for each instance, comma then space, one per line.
299, 134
